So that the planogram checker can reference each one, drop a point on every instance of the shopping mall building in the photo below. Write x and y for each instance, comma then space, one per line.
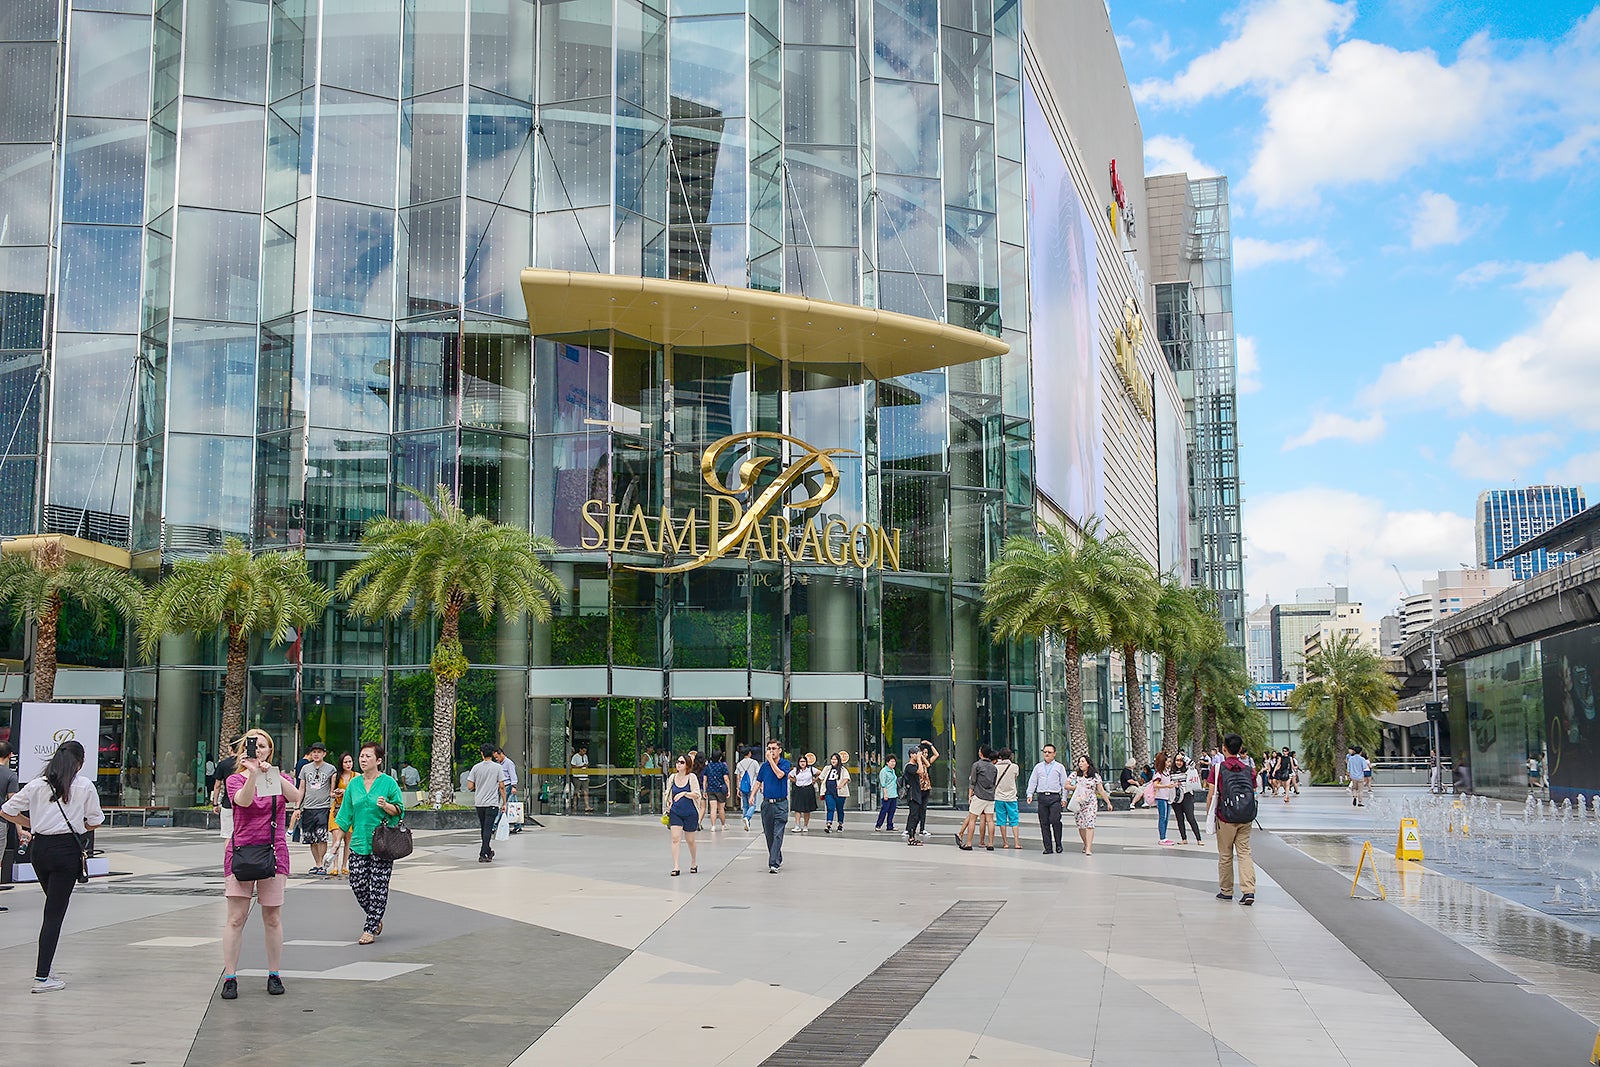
777, 316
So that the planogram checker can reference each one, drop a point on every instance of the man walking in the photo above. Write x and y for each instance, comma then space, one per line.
980, 802
745, 773
508, 771
1234, 784
488, 785
1356, 765
1046, 786
773, 781
316, 802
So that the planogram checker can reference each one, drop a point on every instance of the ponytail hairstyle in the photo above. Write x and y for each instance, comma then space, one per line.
63, 768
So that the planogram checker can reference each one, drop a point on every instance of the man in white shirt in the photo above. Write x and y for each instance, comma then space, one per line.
488, 786
508, 771
745, 775
580, 775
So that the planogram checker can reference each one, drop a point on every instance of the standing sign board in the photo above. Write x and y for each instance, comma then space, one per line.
45, 726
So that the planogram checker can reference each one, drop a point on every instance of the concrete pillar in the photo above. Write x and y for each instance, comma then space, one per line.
178, 725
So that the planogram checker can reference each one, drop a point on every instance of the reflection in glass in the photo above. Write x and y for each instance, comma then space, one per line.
356, 150
355, 259
280, 478
572, 469
222, 146
498, 245
99, 279
208, 482
226, 57
425, 369
432, 247
916, 626
347, 477
28, 86
906, 39
25, 194
213, 378
95, 377
494, 476
494, 377
431, 134
93, 478
108, 68
281, 400
422, 461
361, 46
349, 373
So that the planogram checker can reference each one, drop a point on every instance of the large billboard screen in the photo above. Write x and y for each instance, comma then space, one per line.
1064, 322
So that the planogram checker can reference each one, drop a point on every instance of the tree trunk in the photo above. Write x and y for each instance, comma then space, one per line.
1138, 732
1077, 733
44, 652
1340, 744
1201, 741
1169, 708
233, 685
441, 765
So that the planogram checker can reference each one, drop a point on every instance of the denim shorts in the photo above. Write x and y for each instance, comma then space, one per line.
1005, 813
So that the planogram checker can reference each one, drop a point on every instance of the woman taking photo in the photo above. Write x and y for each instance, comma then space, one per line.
370, 799
53, 813
262, 796
836, 789
338, 846
918, 788
683, 810
1086, 786
803, 793
1187, 782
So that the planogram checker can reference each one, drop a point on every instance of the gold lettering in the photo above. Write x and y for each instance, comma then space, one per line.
719, 534
753, 533
811, 539
637, 524
861, 535
889, 551
593, 523
780, 539
611, 528
827, 542
690, 532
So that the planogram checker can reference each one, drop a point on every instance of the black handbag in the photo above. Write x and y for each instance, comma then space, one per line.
391, 842
83, 853
253, 863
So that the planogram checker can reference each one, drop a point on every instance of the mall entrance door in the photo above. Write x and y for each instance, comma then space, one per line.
853, 727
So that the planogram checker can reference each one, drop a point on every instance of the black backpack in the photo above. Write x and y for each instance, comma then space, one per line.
1236, 801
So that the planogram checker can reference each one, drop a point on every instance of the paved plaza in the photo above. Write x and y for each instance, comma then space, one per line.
576, 946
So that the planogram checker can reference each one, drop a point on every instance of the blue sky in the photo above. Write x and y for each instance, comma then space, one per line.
1416, 191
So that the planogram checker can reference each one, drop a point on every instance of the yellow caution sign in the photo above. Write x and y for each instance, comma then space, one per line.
1366, 854
1408, 846
1594, 1057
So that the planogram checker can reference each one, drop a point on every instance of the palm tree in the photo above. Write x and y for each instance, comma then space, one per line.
1215, 678
267, 595
440, 567
1181, 617
1135, 629
1068, 586
1348, 682
36, 585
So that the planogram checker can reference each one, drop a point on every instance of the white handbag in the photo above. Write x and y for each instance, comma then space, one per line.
1081, 795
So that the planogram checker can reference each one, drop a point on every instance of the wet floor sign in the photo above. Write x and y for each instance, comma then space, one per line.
1408, 846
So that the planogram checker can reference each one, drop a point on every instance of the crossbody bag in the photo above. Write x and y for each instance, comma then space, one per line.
253, 863
83, 851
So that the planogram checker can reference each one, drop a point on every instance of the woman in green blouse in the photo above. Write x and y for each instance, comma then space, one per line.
369, 799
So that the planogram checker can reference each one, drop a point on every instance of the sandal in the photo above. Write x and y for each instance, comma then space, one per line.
694, 870
365, 939
676, 873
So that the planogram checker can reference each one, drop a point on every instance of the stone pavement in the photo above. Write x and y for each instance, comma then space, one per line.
576, 946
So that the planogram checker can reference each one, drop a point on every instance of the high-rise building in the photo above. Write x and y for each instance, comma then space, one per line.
1258, 645
1447, 594
1507, 518
266, 264
1292, 623
1192, 257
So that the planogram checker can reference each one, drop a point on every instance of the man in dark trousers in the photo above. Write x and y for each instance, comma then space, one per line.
773, 781
9, 784
1046, 787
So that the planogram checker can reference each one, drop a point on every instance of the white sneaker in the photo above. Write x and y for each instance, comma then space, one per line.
49, 985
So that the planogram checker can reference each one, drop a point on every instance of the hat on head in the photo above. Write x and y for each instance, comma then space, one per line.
317, 746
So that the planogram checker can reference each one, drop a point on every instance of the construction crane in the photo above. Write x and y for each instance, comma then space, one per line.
1402, 578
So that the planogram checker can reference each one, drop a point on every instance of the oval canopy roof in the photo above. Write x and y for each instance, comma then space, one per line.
797, 328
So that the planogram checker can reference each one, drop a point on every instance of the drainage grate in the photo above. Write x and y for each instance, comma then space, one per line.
849, 1031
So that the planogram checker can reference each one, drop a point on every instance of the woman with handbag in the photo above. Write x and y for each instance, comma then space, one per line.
53, 814
1086, 786
370, 799
1187, 781
255, 863
683, 810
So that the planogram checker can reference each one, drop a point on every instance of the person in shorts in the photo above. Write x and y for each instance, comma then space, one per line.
316, 784
261, 796
980, 803
1006, 815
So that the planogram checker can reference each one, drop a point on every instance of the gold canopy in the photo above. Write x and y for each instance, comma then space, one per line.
798, 328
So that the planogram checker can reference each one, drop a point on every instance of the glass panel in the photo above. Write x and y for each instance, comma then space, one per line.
710, 619
94, 373
222, 147
25, 172
975, 528
574, 377
826, 632
208, 482
435, 44
906, 39
711, 399
824, 186
92, 478
355, 259
574, 240
431, 135
432, 237
212, 378
349, 373
641, 54
361, 45
572, 469
216, 276
916, 627
968, 76
503, 47
911, 416
494, 477
280, 481
28, 20
347, 483
28, 86
357, 155
909, 225
819, 21
425, 369
499, 246
102, 179
22, 303
578, 630
281, 399
819, 95
575, 147
500, 151
496, 365
288, 153
709, 72
421, 461
100, 279
918, 507
225, 53
575, 50
109, 66
907, 118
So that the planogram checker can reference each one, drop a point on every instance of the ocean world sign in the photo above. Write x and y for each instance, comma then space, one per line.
782, 520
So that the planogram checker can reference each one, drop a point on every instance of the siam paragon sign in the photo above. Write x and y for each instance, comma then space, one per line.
777, 524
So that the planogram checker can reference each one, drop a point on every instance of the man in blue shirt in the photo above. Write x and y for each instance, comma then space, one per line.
773, 781
1356, 764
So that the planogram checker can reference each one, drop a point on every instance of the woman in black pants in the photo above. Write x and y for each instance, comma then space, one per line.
54, 813
1187, 781
918, 789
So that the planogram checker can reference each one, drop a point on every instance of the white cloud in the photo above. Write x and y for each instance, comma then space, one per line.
1582, 469
1249, 366
1500, 459
1273, 41
1488, 271
1251, 252
1319, 536
1548, 371
1174, 155
1327, 426
1436, 221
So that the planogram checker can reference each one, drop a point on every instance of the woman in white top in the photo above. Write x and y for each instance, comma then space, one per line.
803, 793
54, 813
1164, 790
1187, 781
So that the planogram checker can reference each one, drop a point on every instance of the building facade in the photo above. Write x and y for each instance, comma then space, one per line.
1258, 645
1507, 518
268, 264
1291, 623
1450, 593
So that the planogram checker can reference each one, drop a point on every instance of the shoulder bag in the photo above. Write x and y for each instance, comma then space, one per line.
83, 852
392, 842
253, 863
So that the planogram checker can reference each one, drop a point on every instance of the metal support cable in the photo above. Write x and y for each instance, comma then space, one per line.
539, 127
484, 233
688, 209
127, 413
800, 210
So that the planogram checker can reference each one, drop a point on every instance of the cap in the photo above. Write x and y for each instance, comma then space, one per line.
316, 746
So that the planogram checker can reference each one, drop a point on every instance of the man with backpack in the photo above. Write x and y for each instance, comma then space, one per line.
745, 771
1233, 788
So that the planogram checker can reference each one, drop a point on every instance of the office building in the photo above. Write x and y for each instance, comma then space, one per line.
1450, 593
1291, 623
1506, 518
1258, 645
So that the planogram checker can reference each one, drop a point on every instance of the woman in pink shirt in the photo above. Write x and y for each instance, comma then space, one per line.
262, 795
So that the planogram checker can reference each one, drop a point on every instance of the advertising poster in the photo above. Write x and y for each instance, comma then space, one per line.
45, 726
1172, 482
1064, 323
1572, 723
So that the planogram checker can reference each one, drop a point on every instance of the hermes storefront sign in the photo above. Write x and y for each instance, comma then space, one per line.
780, 522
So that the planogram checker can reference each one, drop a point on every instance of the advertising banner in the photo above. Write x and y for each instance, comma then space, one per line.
45, 726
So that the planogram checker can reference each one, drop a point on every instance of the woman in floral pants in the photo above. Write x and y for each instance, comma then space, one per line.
369, 799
